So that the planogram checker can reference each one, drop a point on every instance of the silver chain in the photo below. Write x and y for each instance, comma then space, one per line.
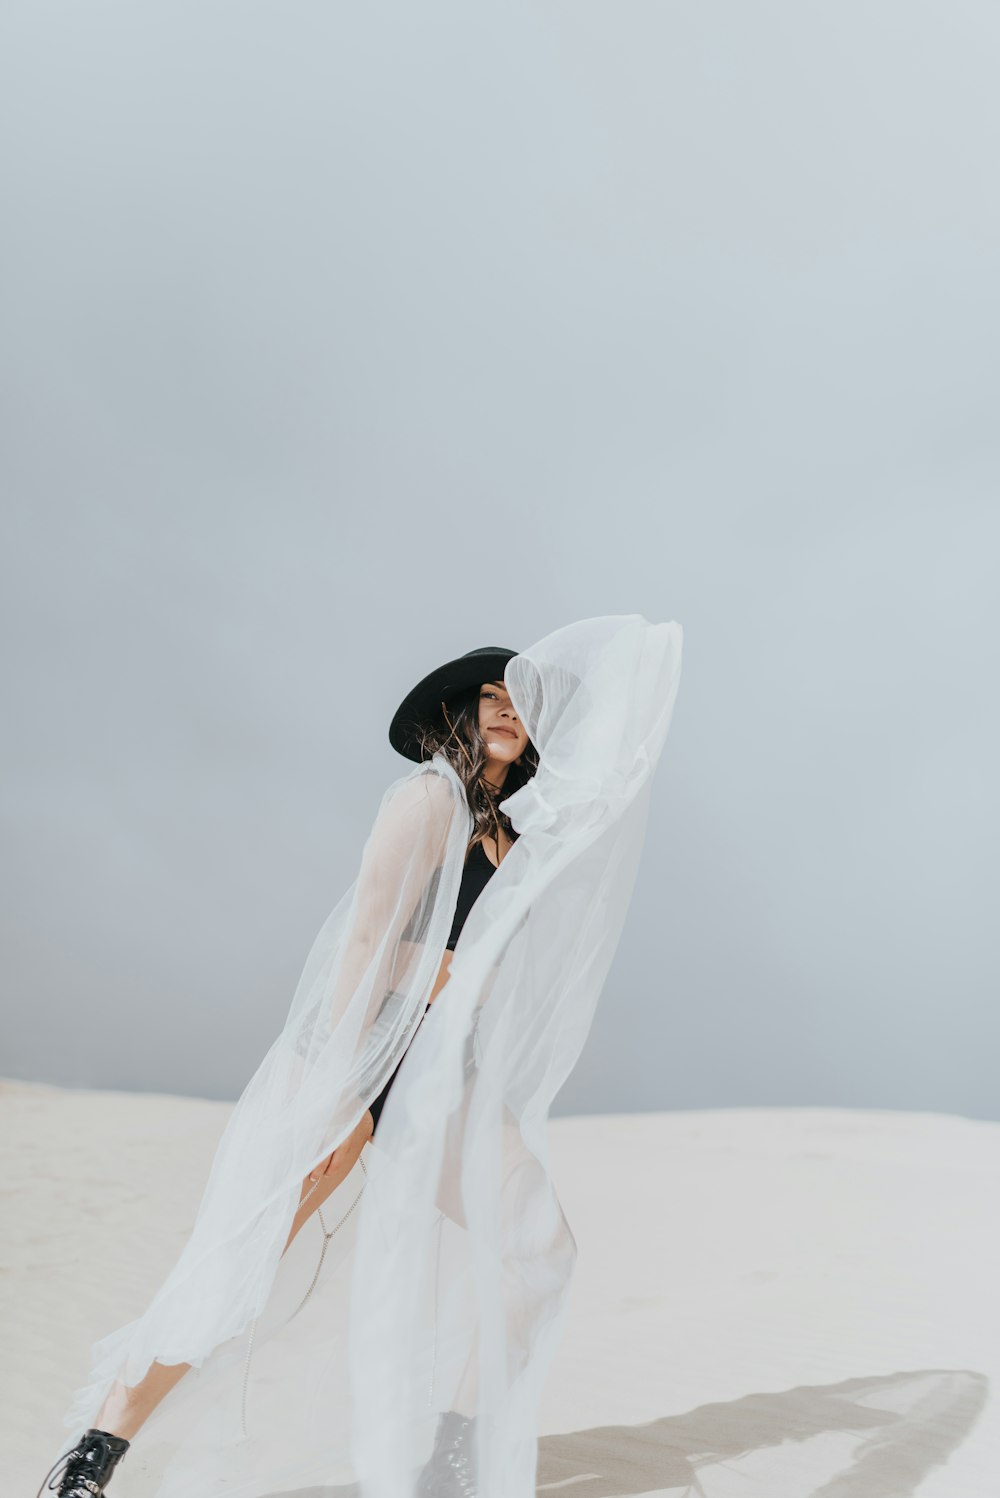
315, 1279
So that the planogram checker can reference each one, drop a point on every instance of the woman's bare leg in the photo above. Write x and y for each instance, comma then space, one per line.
127, 1407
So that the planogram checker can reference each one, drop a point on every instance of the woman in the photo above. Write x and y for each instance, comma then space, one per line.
500, 867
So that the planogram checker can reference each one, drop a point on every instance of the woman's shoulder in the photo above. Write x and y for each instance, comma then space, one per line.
426, 793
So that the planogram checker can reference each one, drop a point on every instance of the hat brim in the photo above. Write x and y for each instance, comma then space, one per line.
421, 706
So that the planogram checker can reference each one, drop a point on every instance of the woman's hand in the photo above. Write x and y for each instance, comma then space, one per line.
324, 1179
347, 1150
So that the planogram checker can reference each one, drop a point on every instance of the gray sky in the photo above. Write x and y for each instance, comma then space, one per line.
340, 340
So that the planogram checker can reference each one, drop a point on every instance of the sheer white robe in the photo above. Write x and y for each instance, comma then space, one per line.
446, 1256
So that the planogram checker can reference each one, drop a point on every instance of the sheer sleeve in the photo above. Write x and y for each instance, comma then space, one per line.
364, 985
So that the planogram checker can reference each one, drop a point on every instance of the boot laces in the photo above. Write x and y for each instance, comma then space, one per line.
70, 1475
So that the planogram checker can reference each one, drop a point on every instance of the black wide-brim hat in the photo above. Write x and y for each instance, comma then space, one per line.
421, 707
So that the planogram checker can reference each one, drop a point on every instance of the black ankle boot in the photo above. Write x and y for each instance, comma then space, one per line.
86, 1470
450, 1469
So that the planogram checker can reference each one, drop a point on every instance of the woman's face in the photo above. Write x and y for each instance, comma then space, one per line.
500, 728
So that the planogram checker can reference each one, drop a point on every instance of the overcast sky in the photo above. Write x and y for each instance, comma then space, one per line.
339, 340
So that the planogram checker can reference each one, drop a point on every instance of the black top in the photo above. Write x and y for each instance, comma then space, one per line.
475, 877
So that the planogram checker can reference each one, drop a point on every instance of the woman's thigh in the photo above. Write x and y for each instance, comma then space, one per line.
520, 1170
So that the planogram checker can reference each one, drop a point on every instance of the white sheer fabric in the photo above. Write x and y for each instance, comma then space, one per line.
446, 1256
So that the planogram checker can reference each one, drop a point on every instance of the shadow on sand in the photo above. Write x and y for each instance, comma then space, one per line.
905, 1424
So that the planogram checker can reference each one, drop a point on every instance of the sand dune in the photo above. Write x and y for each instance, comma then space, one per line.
768, 1303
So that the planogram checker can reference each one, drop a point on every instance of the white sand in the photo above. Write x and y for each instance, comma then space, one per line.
768, 1303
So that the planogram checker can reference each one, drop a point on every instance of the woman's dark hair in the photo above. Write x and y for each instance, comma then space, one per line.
458, 738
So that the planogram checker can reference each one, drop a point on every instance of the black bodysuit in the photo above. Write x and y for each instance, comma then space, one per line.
475, 876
